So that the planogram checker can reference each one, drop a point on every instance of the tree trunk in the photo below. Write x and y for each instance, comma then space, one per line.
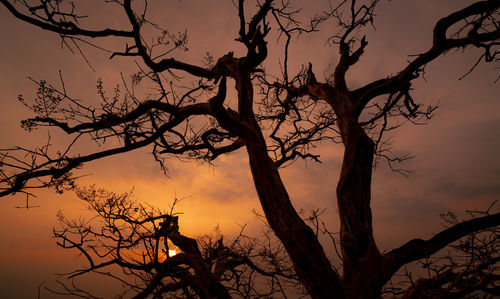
361, 258
310, 262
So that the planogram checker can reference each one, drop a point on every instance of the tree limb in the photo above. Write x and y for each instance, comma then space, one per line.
417, 248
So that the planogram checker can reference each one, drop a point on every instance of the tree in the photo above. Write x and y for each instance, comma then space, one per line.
294, 112
142, 248
467, 270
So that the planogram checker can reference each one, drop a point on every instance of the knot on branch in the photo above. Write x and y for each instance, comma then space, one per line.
168, 225
225, 66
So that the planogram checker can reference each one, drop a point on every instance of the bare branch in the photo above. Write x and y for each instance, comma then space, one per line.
417, 248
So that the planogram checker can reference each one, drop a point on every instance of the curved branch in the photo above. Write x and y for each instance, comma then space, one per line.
441, 44
164, 64
417, 248
20, 180
58, 167
71, 28
110, 120
346, 61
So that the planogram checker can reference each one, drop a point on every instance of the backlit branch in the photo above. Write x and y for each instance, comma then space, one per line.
149, 122
360, 16
482, 34
157, 259
470, 266
418, 249
49, 15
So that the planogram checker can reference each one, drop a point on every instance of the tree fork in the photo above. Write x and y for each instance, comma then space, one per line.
310, 261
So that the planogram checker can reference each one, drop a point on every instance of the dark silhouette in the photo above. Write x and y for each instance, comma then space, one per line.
293, 114
143, 249
468, 269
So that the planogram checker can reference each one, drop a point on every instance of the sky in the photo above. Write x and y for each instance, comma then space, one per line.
456, 165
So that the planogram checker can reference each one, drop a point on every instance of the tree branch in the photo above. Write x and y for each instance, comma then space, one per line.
65, 29
417, 248
441, 44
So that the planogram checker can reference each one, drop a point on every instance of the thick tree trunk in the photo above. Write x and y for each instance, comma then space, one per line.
361, 258
311, 264
362, 261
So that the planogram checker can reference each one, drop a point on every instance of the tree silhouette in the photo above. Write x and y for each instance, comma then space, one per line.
143, 248
292, 114
467, 270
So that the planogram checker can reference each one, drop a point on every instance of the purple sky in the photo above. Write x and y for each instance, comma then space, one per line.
457, 164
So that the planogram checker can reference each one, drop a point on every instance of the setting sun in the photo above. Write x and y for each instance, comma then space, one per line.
172, 252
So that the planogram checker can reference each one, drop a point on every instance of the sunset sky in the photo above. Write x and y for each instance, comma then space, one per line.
456, 165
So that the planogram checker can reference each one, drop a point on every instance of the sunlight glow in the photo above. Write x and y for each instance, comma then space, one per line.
171, 252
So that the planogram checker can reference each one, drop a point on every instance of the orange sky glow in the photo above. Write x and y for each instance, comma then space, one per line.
456, 165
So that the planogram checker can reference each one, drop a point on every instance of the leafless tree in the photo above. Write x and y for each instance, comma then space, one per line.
143, 249
468, 269
293, 114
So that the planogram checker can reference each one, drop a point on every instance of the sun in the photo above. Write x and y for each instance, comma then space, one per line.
172, 252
